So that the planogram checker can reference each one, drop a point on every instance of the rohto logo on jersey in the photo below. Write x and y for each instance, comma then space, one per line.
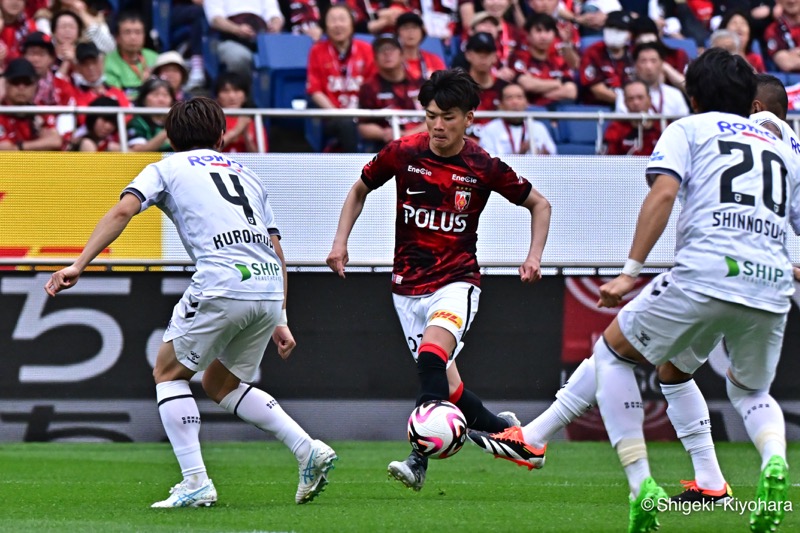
753, 272
462, 200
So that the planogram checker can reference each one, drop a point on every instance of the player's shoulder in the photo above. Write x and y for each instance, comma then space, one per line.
478, 159
411, 145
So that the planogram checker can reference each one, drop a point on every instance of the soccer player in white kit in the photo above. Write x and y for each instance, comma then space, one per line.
732, 278
234, 304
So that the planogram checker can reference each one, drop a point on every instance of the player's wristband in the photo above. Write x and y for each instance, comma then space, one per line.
632, 268
283, 321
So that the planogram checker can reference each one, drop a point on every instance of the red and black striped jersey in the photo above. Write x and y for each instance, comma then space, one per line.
379, 93
439, 202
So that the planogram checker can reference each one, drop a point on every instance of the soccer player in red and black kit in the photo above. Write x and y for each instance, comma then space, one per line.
443, 182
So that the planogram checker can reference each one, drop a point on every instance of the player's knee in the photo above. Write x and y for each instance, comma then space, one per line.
669, 374
218, 381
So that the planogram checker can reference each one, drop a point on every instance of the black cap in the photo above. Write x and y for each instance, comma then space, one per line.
385, 38
481, 42
641, 25
618, 19
20, 68
409, 18
86, 51
38, 38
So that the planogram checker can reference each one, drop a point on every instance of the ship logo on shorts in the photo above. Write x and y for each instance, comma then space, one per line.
462, 200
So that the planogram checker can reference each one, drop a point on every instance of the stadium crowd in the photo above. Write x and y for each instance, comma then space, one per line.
369, 54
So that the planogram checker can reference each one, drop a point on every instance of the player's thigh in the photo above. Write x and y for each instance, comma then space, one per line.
243, 354
663, 321
453, 308
754, 341
411, 314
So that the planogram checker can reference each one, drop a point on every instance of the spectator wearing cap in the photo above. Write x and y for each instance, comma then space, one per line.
607, 65
481, 22
15, 27
239, 22
504, 136
93, 15
481, 56
52, 88
337, 67
99, 133
389, 88
546, 78
170, 66
25, 132
67, 28
131, 63
664, 99
233, 92
89, 79
568, 37
420, 64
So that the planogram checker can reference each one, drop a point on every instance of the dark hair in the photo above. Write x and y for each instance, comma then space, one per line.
126, 16
639, 48
506, 86
237, 81
324, 16
149, 86
726, 18
720, 81
771, 92
195, 123
101, 101
449, 89
61, 14
541, 21
634, 82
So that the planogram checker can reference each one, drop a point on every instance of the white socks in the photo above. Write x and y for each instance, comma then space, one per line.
621, 406
181, 421
763, 419
688, 412
573, 399
258, 408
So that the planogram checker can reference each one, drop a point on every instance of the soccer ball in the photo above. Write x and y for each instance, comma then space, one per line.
437, 429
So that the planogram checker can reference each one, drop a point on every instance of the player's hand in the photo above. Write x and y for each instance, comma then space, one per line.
611, 293
63, 279
337, 259
284, 340
530, 271
796, 273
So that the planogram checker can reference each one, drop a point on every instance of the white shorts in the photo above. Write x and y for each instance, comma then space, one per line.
666, 323
453, 307
234, 331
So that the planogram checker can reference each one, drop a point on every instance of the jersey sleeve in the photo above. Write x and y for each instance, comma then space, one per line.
509, 184
148, 186
672, 154
382, 168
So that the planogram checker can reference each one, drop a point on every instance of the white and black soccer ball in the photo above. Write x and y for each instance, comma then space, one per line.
437, 429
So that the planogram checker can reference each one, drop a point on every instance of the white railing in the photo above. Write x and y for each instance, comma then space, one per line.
394, 116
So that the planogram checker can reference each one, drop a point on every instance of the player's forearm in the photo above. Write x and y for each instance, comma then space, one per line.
276, 243
653, 217
351, 210
540, 210
107, 230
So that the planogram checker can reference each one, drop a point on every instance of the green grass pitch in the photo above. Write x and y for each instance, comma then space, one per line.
109, 488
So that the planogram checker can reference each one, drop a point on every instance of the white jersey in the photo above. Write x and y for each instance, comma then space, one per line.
222, 214
739, 187
500, 138
787, 133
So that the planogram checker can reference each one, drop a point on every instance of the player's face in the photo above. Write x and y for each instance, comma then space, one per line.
446, 128
637, 99
481, 61
548, 7
513, 99
20, 91
540, 39
339, 25
648, 66
409, 35
40, 58
90, 68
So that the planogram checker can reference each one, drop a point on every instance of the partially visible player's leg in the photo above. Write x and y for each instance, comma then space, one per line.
181, 420
222, 382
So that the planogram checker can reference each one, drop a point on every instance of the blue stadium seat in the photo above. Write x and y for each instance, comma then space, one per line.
575, 149
434, 46
780, 75
162, 11
366, 37
589, 40
281, 68
792, 78
687, 45
578, 131
210, 58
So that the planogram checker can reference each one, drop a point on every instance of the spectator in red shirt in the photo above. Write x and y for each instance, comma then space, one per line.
233, 92
546, 78
622, 136
100, 133
89, 81
25, 132
302, 17
337, 67
420, 64
52, 89
568, 38
738, 22
16, 26
482, 22
389, 88
783, 37
481, 54
607, 65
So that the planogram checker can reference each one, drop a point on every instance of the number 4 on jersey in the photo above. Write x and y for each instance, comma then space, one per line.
238, 199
